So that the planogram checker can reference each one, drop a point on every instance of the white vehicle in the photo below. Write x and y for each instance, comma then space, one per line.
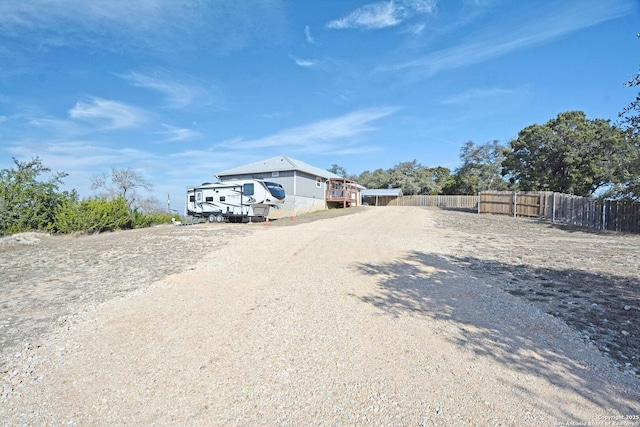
236, 201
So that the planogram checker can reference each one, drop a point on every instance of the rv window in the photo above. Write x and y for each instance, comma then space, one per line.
199, 196
248, 190
208, 199
192, 198
275, 189
222, 198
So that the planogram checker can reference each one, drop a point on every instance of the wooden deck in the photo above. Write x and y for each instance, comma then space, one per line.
342, 192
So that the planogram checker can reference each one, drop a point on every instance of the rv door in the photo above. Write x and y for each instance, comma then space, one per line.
199, 207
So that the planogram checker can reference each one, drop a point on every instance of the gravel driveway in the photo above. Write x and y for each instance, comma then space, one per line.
387, 316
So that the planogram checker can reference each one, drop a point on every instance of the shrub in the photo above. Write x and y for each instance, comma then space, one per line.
141, 220
93, 215
26, 201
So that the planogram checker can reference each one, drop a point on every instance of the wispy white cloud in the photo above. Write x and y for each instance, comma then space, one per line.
303, 62
382, 14
177, 95
330, 132
81, 159
535, 31
77, 155
175, 134
417, 29
158, 26
371, 16
56, 126
84, 154
307, 35
111, 114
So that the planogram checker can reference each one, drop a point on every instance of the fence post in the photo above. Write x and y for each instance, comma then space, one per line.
478, 203
604, 216
553, 209
515, 204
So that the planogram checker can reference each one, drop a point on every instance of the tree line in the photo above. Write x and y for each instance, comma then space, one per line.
569, 154
31, 199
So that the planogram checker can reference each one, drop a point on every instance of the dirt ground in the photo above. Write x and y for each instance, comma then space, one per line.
590, 280
364, 316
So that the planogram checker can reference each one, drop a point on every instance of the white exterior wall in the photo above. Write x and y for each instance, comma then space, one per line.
298, 205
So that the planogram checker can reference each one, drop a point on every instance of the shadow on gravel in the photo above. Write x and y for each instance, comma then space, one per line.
604, 309
434, 286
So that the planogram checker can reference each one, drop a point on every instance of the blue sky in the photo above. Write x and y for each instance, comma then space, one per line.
179, 90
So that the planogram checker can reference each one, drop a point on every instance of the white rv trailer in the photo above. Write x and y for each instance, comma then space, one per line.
241, 200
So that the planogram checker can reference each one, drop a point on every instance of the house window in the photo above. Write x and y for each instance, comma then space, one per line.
275, 174
318, 182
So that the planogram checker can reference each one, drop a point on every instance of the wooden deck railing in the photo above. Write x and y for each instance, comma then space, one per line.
343, 191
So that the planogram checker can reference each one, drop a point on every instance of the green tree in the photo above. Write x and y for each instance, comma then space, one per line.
626, 173
415, 178
338, 170
628, 185
480, 170
409, 176
630, 116
441, 178
412, 177
379, 178
568, 154
26, 201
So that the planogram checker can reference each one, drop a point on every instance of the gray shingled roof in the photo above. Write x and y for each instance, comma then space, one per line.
278, 164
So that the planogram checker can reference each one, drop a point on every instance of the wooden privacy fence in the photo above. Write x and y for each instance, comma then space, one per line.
563, 209
446, 202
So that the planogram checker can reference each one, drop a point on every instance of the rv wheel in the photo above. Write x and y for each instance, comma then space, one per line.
212, 218
219, 218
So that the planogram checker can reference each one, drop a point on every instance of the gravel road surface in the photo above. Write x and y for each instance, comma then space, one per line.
381, 317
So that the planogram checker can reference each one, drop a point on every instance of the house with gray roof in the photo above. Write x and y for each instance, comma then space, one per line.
307, 187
